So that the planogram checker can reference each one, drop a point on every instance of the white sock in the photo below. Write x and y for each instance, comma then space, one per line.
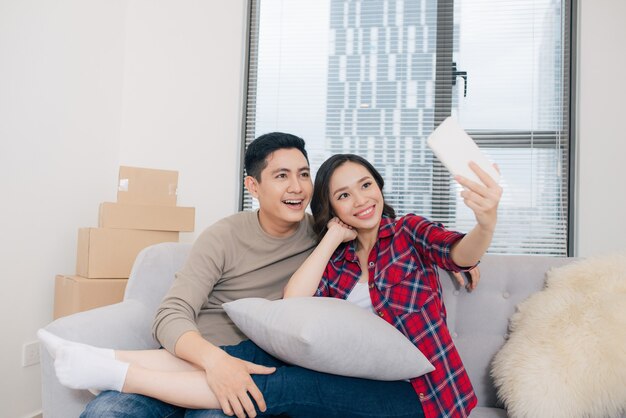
53, 343
81, 368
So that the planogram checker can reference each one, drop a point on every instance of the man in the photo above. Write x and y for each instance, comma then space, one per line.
249, 254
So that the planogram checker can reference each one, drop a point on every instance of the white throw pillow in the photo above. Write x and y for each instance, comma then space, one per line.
329, 335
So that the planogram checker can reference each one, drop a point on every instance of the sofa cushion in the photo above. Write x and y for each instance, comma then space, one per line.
485, 412
328, 335
478, 320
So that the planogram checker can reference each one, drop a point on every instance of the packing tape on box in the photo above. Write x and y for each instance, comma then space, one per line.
123, 186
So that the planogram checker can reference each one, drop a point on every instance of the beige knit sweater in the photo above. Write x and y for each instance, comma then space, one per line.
232, 259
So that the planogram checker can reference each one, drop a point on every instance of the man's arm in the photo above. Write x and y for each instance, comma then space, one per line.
175, 328
190, 290
228, 377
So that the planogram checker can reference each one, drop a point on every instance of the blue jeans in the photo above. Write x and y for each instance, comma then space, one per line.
112, 404
290, 390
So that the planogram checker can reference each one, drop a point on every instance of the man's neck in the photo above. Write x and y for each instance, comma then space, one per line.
275, 228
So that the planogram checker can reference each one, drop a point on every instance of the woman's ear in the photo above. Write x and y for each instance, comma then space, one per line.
252, 185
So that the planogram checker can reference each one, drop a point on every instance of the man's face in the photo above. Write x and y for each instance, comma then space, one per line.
284, 191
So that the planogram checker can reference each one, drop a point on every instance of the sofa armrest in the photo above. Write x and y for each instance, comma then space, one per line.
125, 325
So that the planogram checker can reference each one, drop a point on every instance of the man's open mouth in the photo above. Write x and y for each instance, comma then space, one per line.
294, 203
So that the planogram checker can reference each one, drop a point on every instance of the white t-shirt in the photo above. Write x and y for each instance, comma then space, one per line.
360, 296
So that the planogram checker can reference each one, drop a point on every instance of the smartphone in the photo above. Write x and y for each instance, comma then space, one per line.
455, 149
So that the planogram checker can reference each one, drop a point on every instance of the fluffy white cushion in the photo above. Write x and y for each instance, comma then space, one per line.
566, 355
328, 335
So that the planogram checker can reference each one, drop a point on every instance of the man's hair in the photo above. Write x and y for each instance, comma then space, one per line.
255, 159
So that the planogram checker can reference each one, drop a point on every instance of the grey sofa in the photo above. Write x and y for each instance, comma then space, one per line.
478, 321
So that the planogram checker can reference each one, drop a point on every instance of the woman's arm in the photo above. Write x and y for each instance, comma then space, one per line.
483, 200
306, 279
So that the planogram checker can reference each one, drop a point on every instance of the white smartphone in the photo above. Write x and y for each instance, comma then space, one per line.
455, 149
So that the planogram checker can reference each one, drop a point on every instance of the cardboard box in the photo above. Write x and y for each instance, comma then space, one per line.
76, 294
146, 186
110, 253
155, 218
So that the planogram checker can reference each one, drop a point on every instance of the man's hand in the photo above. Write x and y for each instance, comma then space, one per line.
229, 379
474, 278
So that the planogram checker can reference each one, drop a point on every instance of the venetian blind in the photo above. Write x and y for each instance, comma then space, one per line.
375, 77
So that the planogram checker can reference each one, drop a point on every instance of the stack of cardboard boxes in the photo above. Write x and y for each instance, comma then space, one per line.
145, 214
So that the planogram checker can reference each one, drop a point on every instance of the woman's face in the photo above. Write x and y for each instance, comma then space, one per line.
355, 197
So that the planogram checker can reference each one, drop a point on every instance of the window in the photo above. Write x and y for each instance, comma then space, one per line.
375, 77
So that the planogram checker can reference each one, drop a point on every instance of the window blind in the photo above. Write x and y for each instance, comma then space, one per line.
375, 77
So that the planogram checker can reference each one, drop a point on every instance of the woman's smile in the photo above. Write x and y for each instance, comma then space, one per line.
367, 213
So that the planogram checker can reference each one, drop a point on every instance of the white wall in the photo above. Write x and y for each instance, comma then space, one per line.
87, 85
84, 87
183, 97
601, 152
60, 96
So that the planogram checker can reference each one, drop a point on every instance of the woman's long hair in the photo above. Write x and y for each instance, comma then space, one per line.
320, 203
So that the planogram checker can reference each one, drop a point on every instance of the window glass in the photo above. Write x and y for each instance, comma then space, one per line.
375, 77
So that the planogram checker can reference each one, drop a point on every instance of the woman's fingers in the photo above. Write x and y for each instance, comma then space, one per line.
485, 195
348, 232
473, 206
488, 183
337, 221
482, 174
458, 276
483, 202
471, 185
474, 278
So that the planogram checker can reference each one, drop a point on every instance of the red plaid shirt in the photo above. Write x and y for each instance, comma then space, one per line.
405, 291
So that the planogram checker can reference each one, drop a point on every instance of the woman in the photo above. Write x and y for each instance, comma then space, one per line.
390, 265
356, 228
